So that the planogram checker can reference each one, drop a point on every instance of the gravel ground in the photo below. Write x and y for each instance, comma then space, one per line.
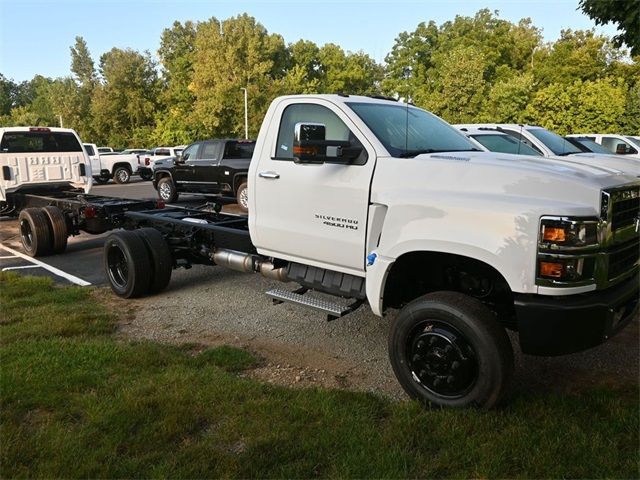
212, 306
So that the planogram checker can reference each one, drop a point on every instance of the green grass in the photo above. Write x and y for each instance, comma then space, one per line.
76, 402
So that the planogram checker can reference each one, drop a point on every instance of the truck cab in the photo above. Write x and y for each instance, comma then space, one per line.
616, 144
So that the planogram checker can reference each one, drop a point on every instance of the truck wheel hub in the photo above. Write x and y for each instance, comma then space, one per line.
118, 270
441, 359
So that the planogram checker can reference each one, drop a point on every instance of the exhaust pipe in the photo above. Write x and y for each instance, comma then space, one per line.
244, 262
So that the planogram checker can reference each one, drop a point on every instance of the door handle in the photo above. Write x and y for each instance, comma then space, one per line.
272, 175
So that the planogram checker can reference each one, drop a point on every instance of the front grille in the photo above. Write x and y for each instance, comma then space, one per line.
625, 208
623, 258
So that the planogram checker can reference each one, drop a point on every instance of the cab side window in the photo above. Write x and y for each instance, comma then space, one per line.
189, 153
617, 145
309, 113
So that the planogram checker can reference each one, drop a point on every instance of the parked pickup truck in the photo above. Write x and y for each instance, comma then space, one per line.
207, 167
366, 200
119, 167
160, 156
618, 144
46, 180
552, 145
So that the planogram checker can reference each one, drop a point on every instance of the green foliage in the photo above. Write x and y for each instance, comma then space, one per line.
470, 69
579, 107
79, 403
124, 105
624, 13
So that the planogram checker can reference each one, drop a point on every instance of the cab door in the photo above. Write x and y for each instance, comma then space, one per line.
183, 171
314, 214
205, 166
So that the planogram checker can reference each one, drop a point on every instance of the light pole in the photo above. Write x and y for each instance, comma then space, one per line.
246, 115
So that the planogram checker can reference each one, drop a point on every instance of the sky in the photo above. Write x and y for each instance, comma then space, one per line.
35, 35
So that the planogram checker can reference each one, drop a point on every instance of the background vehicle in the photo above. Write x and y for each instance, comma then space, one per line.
552, 145
104, 150
587, 145
46, 179
369, 200
618, 144
149, 157
207, 167
496, 141
116, 166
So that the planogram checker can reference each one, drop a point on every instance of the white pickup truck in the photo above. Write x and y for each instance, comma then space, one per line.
119, 167
551, 145
372, 201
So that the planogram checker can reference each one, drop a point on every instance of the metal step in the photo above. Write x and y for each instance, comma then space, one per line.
332, 309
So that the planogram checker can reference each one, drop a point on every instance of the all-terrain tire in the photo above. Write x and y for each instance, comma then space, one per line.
35, 232
121, 175
161, 259
167, 190
127, 264
243, 197
448, 350
59, 230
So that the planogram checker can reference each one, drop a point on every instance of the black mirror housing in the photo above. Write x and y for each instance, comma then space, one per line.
310, 146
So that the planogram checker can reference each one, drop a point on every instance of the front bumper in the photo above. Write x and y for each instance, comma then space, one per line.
561, 325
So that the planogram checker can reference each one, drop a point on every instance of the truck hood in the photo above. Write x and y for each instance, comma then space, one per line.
534, 181
613, 163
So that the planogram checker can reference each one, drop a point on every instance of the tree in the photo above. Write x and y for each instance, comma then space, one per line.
624, 13
457, 93
82, 64
350, 73
83, 68
508, 99
7, 88
125, 105
239, 53
174, 122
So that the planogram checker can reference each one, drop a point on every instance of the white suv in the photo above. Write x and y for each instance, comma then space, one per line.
618, 144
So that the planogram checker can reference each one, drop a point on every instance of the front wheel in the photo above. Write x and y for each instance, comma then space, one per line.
100, 180
242, 195
121, 175
448, 350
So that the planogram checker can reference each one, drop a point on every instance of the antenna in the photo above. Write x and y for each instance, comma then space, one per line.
520, 139
406, 128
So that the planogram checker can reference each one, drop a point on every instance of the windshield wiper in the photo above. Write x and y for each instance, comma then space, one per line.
565, 154
415, 153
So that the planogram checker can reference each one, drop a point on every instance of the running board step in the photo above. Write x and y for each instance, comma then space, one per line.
332, 309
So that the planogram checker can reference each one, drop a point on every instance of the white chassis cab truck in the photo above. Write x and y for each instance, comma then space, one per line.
119, 167
45, 180
372, 201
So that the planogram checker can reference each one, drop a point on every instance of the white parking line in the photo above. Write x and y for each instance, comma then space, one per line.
20, 268
54, 270
8, 256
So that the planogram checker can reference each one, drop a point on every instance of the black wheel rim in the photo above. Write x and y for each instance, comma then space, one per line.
26, 233
441, 359
117, 267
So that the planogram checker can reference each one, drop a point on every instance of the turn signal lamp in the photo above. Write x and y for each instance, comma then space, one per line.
551, 269
554, 234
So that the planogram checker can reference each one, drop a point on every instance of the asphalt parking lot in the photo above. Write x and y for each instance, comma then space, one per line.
81, 263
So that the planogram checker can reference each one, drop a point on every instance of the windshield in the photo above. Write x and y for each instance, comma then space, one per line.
39, 141
504, 144
554, 142
409, 131
592, 146
634, 141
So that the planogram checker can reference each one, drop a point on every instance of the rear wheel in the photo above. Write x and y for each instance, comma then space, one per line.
167, 190
146, 176
242, 195
59, 231
127, 264
100, 180
447, 349
35, 232
160, 256
121, 175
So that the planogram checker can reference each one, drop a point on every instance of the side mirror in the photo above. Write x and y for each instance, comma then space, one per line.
621, 149
310, 146
179, 158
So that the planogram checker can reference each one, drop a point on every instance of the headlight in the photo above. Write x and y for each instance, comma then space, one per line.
567, 250
562, 233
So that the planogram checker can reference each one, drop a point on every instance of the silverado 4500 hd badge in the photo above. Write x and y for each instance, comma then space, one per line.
339, 222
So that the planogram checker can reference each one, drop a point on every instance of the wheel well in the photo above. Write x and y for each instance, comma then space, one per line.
418, 273
118, 165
